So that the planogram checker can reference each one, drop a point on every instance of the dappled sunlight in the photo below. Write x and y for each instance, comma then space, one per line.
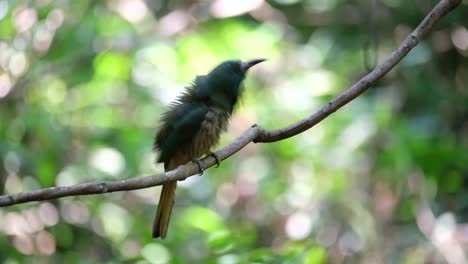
27, 229
226, 8
24, 244
13, 183
5, 85
15, 224
130, 248
45, 32
48, 214
357, 133
460, 38
83, 85
132, 10
445, 234
115, 221
108, 160
203, 219
298, 226
18, 64
174, 22
75, 212
45, 243
69, 175
145, 196
24, 18
322, 81
156, 253
227, 195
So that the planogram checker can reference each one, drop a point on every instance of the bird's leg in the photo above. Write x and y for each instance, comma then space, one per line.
200, 166
218, 161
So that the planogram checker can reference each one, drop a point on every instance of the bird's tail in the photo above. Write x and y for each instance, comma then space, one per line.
163, 215
166, 201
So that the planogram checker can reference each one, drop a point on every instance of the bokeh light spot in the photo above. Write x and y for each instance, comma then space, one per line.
115, 221
228, 8
48, 214
18, 64
298, 226
24, 18
45, 243
24, 244
156, 253
75, 212
108, 160
460, 38
5, 84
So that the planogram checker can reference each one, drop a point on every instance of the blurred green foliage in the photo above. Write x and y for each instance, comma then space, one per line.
383, 180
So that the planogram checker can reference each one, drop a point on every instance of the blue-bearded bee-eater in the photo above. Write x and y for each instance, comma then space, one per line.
193, 125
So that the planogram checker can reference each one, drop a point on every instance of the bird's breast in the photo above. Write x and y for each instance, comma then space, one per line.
215, 122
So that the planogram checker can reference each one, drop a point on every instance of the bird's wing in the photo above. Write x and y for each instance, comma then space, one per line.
180, 125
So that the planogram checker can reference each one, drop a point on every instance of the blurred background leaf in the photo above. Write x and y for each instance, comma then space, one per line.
383, 180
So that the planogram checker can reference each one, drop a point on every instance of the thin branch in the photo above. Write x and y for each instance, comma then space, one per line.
254, 134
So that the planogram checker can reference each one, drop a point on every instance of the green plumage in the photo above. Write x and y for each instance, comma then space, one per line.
215, 93
193, 125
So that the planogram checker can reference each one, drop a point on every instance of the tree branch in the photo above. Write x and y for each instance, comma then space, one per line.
254, 134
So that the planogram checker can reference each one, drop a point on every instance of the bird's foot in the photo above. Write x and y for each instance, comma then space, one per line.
218, 160
200, 166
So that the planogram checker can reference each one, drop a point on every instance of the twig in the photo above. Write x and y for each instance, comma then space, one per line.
254, 134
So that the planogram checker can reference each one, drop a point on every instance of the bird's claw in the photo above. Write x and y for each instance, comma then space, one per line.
218, 161
200, 166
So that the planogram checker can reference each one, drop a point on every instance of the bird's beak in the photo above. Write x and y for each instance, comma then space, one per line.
246, 65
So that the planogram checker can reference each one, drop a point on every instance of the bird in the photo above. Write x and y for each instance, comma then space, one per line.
192, 126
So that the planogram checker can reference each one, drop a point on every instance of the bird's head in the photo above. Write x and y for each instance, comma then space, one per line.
232, 71
224, 81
